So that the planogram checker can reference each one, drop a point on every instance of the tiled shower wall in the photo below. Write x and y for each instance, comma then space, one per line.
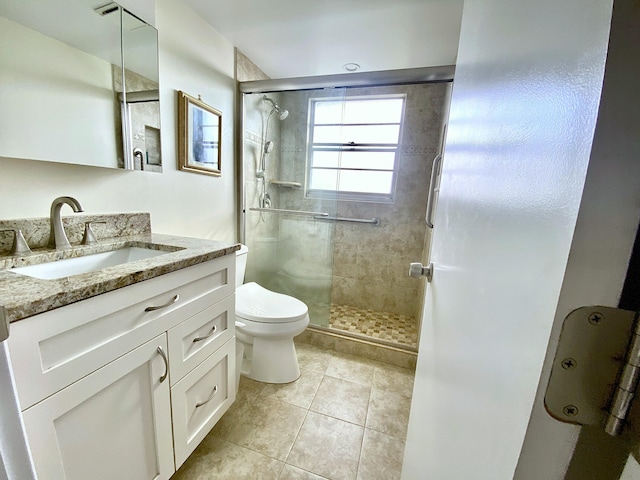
370, 263
262, 231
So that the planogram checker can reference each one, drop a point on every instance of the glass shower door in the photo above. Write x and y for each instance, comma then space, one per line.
290, 235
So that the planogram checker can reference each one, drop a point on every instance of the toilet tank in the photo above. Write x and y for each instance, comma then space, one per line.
241, 264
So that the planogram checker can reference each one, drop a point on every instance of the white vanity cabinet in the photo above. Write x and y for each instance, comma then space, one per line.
113, 423
124, 385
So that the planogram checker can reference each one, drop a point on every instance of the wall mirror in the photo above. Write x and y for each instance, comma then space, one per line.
78, 84
199, 134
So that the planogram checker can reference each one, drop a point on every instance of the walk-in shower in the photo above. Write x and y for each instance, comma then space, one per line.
334, 199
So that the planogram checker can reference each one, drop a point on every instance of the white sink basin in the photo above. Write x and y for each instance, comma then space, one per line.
88, 263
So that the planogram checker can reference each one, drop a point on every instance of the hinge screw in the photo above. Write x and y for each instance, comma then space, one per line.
595, 318
569, 363
570, 410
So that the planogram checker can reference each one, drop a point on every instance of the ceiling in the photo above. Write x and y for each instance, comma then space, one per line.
301, 38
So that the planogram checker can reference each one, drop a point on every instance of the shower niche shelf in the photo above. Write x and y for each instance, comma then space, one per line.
285, 184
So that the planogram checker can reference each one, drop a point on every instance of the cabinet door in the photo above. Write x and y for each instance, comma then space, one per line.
201, 398
113, 424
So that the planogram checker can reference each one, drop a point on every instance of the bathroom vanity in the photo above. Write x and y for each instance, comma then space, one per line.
122, 371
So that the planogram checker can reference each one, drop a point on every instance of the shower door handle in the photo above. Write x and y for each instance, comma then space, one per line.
417, 270
432, 190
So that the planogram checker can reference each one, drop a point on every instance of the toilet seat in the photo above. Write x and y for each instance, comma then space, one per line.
256, 303
247, 329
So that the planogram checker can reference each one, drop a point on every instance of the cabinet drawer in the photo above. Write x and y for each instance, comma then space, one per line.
56, 348
201, 398
196, 338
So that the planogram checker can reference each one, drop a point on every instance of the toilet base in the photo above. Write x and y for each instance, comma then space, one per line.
270, 360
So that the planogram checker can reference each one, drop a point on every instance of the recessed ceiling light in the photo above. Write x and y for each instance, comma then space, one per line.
351, 67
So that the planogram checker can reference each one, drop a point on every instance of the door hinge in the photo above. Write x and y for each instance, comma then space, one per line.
596, 368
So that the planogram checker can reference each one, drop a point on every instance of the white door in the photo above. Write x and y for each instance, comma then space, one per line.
112, 424
516, 244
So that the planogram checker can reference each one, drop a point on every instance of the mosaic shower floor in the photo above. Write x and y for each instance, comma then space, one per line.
382, 326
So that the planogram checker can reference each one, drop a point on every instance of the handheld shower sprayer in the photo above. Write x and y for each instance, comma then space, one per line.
268, 148
282, 112
264, 198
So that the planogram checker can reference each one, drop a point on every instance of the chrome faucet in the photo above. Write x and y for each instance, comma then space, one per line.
58, 238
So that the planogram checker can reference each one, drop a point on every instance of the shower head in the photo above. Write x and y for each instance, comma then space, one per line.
282, 112
268, 147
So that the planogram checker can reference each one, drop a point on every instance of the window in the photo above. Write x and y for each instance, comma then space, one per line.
353, 144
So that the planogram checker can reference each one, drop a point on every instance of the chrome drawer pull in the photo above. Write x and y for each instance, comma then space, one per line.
166, 364
199, 339
213, 394
168, 304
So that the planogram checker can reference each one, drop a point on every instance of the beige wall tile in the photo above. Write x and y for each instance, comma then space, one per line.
342, 290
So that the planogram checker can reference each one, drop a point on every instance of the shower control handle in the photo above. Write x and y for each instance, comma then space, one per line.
417, 270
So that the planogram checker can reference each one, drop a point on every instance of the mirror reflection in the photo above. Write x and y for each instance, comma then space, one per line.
63, 65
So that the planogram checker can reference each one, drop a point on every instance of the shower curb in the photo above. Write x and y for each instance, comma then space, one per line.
338, 342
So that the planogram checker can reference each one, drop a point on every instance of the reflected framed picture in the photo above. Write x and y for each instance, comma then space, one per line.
199, 135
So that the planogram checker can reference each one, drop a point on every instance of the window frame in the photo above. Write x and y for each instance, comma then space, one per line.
351, 146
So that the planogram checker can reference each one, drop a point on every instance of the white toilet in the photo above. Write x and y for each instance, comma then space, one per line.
266, 323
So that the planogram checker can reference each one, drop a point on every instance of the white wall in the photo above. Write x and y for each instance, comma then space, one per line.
193, 58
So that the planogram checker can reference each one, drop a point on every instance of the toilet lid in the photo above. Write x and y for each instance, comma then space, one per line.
256, 303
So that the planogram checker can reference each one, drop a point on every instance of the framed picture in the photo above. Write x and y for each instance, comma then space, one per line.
199, 135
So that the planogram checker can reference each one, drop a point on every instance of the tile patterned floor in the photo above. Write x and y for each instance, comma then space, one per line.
389, 327
345, 418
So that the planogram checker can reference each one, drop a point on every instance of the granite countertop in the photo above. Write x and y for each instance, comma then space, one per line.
22, 296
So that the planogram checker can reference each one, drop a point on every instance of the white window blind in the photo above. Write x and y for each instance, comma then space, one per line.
353, 144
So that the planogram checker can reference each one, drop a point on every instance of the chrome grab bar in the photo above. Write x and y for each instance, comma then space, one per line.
282, 211
373, 221
432, 190
283, 183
